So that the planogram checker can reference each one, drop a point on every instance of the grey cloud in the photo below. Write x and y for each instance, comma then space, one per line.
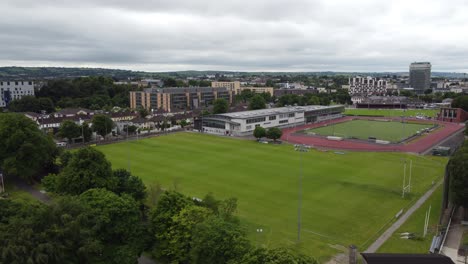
299, 35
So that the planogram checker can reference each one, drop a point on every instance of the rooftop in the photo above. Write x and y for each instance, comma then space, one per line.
384, 258
278, 110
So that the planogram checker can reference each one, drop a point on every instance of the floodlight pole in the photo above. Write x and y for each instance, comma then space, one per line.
410, 173
301, 148
404, 180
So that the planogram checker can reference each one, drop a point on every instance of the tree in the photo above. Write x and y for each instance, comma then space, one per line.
461, 102
114, 222
274, 133
274, 256
102, 124
217, 241
220, 106
87, 132
25, 104
185, 221
143, 112
169, 205
458, 175
259, 132
184, 123
313, 100
257, 102
129, 184
25, 151
87, 169
69, 129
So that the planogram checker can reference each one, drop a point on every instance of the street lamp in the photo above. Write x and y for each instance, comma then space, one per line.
301, 148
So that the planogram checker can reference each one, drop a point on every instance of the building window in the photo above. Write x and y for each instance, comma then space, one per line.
273, 117
283, 121
291, 115
255, 120
248, 127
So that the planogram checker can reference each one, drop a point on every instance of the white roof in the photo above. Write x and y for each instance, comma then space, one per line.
275, 111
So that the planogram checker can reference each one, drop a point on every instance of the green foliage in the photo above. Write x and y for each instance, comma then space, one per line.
461, 102
458, 173
115, 226
87, 132
87, 92
220, 106
69, 129
257, 102
183, 123
32, 104
259, 132
245, 96
170, 204
218, 241
275, 256
87, 169
143, 112
274, 133
102, 124
129, 184
24, 150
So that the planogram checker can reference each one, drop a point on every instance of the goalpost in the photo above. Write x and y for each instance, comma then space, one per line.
407, 186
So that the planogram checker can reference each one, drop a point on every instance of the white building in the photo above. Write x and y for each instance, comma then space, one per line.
243, 123
13, 90
367, 86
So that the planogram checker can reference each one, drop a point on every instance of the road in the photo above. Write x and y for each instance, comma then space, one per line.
388, 233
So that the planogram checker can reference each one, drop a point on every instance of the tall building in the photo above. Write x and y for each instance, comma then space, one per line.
237, 89
233, 86
367, 86
10, 91
181, 98
420, 76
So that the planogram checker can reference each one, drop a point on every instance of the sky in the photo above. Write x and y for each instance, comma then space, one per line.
235, 35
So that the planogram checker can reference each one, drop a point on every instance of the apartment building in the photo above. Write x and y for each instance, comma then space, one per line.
181, 98
237, 88
13, 90
367, 86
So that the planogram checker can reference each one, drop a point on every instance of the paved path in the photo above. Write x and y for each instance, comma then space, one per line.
388, 233
22, 185
454, 236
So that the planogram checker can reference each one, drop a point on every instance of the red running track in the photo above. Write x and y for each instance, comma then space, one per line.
419, 145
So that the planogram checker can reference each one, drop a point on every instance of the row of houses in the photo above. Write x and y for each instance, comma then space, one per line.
51, 123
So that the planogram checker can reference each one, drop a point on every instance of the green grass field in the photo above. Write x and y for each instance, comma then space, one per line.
415, 225
391, 112
347, 198
363, 129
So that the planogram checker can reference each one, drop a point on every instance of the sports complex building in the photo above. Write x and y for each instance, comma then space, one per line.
243, 123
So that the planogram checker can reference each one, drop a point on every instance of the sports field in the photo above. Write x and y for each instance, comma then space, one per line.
363, 129
347, 197
391, 112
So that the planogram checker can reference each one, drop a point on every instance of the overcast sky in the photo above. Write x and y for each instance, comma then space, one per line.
239, 35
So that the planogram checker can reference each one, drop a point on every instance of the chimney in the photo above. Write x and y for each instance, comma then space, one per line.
353, 254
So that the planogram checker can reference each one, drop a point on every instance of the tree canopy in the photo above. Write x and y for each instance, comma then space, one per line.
86, 169
24, 150
461, 102
259, 132
274, 133
102, 124
458, 175
257, 102
69, 129
220, 106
